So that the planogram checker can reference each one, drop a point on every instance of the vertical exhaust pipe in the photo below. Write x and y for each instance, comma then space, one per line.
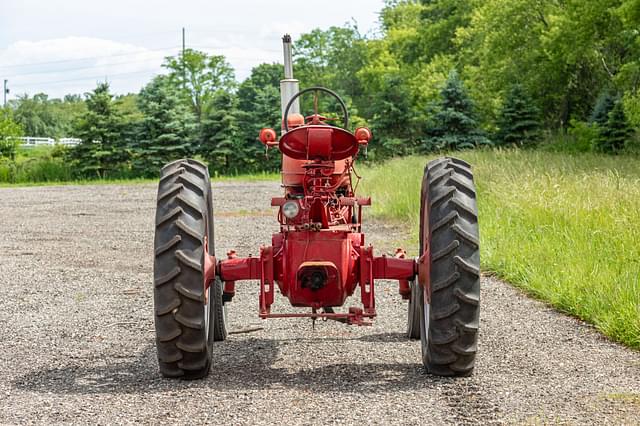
288, 57
289, 86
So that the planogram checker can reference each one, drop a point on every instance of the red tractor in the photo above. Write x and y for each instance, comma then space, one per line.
319, 258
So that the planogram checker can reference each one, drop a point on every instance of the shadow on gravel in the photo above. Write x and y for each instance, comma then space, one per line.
241, 364
384, 337
248, 364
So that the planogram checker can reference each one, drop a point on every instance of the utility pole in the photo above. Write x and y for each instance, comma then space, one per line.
184, 70
4, 92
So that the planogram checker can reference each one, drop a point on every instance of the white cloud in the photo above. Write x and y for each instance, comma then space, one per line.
74, 64
124, 41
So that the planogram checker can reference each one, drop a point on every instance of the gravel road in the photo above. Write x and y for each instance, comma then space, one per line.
77, 342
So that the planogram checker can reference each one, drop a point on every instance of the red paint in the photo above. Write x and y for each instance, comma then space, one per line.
319, 142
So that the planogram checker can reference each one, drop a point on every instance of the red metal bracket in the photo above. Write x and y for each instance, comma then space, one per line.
240, 268
251, 268
266, 279
230, 286
367, 292
394, 268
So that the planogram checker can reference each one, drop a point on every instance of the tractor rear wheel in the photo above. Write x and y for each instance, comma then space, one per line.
450, 304
184, 312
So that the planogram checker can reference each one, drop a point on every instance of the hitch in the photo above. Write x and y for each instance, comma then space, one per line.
355, 316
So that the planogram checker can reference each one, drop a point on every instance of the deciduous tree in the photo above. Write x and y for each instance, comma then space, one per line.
200, 76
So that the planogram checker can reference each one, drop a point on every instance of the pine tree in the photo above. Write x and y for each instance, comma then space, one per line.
518, 122
616, 132
103, 148
167, 130
221, 145
454, 126
258, 107
262, 112
604, 104
392, 117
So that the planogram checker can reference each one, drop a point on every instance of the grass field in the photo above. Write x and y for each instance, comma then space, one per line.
565, 228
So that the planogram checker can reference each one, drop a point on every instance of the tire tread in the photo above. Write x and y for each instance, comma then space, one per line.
451, 224
181, 222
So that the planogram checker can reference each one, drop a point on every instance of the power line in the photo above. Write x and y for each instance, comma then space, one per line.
54, 71
116, 63
52, 82
201, 46
86, 78
232, 28
133, 61
87, 58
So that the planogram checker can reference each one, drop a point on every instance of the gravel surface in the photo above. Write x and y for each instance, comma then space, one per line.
77, 340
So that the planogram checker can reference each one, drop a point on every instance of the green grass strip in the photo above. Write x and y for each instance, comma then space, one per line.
565, 228
255, 177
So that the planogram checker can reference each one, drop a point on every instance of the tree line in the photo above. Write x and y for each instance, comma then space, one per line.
439, 75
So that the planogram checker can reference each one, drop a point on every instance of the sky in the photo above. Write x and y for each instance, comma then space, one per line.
67, 46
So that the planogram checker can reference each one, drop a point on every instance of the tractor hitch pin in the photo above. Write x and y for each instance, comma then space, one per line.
313, 319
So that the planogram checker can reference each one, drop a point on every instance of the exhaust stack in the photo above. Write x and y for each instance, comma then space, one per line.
289, 86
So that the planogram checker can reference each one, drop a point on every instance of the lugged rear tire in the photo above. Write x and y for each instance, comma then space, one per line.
449, 227
184, 321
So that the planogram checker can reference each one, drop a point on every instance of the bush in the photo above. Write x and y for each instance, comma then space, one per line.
9, 130
43, 170
36, 165
632, 146
7, 170
632, 108
583, 135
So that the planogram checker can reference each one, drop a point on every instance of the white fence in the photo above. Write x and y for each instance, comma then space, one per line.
69, 141
31, 142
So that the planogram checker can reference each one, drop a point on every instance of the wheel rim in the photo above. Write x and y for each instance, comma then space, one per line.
207, 312
412, 301
224, 314
426, 310
207, 285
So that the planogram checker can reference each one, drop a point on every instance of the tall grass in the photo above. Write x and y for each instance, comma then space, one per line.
40, 164
565, 228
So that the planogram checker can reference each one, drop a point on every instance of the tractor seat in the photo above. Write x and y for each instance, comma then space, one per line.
319, 142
